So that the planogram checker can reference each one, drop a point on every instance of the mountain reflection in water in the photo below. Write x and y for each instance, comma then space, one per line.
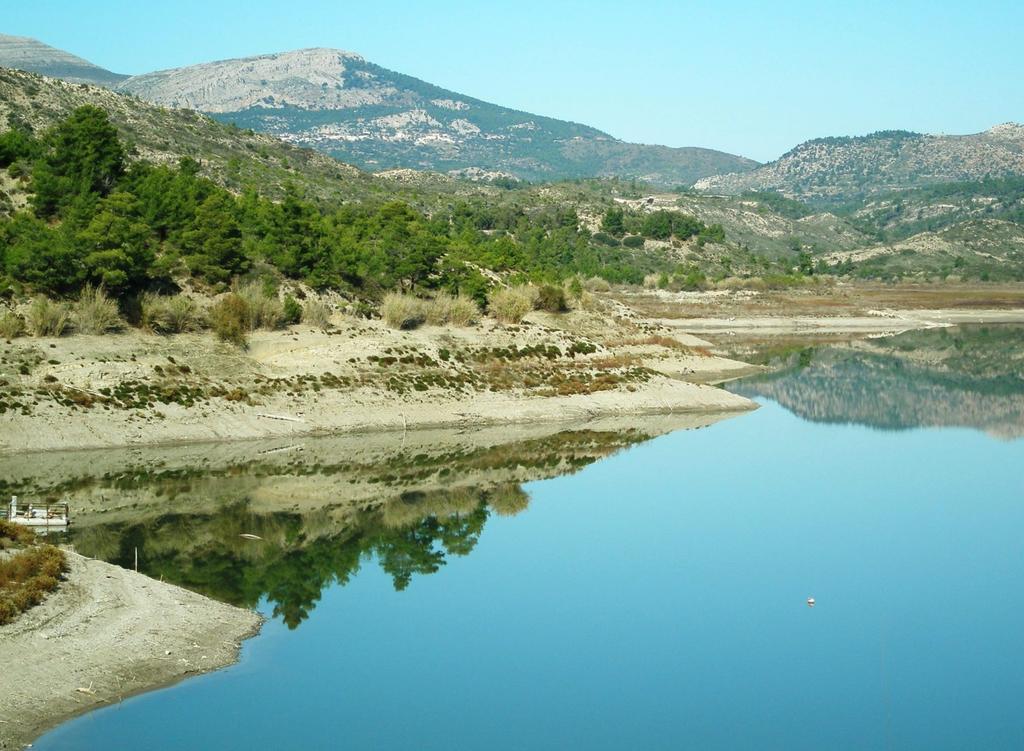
965, 376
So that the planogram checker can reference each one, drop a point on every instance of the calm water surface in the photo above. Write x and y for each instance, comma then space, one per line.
656, 598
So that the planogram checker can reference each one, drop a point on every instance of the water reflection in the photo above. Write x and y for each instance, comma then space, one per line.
966, 376
283, 521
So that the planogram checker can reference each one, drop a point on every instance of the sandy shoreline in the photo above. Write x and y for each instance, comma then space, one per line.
108, 633
881, 321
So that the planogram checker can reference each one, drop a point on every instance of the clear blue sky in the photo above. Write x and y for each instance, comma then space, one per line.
750, 77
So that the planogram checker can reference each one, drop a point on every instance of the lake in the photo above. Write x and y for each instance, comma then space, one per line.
637, 586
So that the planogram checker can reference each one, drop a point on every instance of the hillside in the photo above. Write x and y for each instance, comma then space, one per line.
232, 157
33, 56
378, 119
843, 169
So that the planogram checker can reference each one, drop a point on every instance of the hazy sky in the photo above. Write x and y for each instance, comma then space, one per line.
753, 78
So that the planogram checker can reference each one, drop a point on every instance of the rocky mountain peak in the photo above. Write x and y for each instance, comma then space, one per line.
25, 53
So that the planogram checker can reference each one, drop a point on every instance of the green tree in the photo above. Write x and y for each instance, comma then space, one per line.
116, 246
213, 245
83, 155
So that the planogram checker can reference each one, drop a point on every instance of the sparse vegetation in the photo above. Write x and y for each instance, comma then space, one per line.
230, 319
12, 325
265, 309
551, 299
95, 313
27, 577
316, 313
445, 309
171, 314
401, 311
48, 318
510, 304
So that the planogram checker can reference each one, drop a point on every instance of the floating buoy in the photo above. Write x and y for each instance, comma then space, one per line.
810, 602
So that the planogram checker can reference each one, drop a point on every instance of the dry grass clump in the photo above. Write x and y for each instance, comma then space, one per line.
265, 311
457, 311
651, 281
317, 314
508, 499
597, 284
95, 313
511, 304
26, 578
15, 535
230, 319
11, 325
401, 311
171, 314
48, 318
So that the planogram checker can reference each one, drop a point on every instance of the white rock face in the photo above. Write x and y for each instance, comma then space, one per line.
306, 79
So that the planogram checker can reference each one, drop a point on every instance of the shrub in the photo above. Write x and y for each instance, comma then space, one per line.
26, 578
95, 313
633, 241
11, 325
437, 311
48, 318
175, 314
445, 309
230, 318
651, 281
15, 534
508, 499
291, 310
575, 289
510, 304
597, 284
317, 314
402, 311
265, 310
551, 299
464, 311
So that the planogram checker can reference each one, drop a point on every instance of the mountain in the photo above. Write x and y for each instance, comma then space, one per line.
378, 119
843, 169
23, 53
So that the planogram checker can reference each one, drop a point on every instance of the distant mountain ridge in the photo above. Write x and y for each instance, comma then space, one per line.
23, 53
849, 168
343, 105
359, 112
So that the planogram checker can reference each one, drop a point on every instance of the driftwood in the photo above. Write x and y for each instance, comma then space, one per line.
279, 417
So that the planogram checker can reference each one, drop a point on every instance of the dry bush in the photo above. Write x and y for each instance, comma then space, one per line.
317, 314
230, 318
510, 304
12, 535
11, 325
551, 299
26, 578
508, 499
664, 341
402, 311
95, 313
445, 309
265, 311
597, 284
464, 311
651, 281
175, 314
48, 318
